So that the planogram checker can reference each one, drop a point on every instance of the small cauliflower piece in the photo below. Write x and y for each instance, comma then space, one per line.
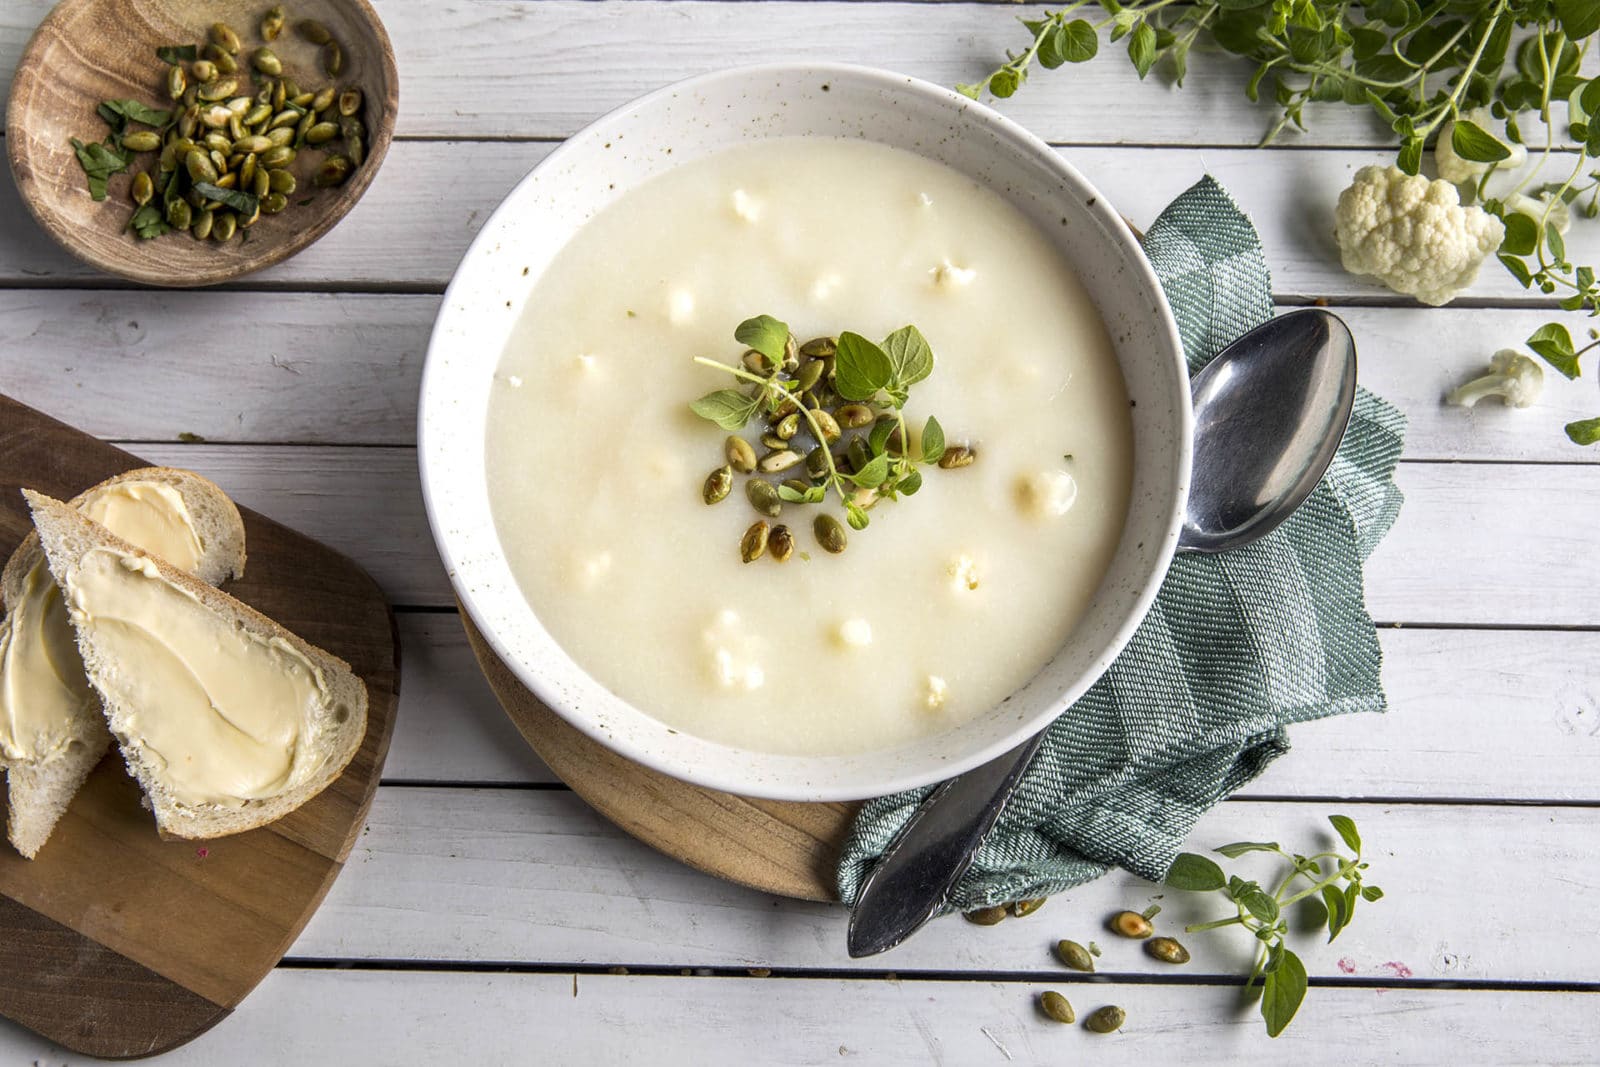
733, 653
746, 206
1452, 168
824, 286
1046, 494
1513, 377
934, 691
963, 571
589, 569
949, 276
1413, 234
854, 633
1559, 219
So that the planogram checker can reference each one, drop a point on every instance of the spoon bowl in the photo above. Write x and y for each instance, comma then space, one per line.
1291, 382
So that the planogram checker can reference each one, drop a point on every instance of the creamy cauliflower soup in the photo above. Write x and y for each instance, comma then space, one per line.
950, 599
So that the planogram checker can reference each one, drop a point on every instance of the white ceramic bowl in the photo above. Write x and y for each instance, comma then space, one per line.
694, 119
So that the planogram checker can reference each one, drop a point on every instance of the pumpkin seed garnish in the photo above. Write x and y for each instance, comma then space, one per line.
763, 496
1106, 1020
854, 416
741, 457
1131, 924
787, 426
830, 535
719, 483
1056, 1007
810, 374
271, 24
773, 442
820, 347
1023, 908
779, 461
223, 37
313, 31
177, 81
754, 542
1167, 950
1075, 956
141, 141
978, 916
956, 456
781, 543
267, 62
142, 189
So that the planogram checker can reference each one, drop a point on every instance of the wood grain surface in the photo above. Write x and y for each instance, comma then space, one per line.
88, 51
117, 943
773, 845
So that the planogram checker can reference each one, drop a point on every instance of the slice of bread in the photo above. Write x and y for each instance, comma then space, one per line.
334, 729
39, 791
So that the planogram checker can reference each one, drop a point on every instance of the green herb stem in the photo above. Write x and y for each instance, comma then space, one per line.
834, 477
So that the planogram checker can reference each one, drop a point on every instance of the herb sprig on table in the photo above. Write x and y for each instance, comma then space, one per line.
1423, 69
1331, 880
833, 386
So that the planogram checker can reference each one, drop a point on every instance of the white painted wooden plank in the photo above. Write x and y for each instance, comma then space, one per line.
1475, 714
544, 69
410, 1019
345, 368
406, 233
1461, 552
534, 876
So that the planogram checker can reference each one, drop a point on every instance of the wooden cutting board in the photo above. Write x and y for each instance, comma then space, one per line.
113, 942
773, 845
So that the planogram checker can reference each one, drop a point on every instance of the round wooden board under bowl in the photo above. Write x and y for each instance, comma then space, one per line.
776, 846
89, 51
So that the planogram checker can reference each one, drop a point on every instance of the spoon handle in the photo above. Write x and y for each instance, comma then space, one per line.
932, 851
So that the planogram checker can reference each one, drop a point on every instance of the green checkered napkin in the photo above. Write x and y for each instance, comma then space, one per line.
1236, 647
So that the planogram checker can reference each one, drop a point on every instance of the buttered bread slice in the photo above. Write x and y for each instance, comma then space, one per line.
227, 720
52, 731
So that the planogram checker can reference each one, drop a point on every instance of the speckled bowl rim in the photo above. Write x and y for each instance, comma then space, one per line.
480, 574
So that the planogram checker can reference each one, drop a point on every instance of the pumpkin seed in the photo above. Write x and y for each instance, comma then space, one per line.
215, 117
287, 119
1075, 956
781, 460
199, 165
257, 182
179, 215
267, 62
229, 180
817, 461
142, 141
322, 132
1127, 923
825, 423
247, 221
856, 454
217, 142
254, 143
324, 99
271, 24
820, 347
333, 59
1167, 950
142, 188
763, 496
781, 543
225, 226
798, 485
258, 114
203, 71
791, 353
719, 483
203, 221
223, 37
810, 374
864, 498
787, 426
281, 181
980, 916
273, 203
755, 362
754, 542
351, 126
220, 89
303, 127
222, 58
313, 31
956, 456
811, 401
830, 535
334, 170
355, 148
774, 442
283, 136
1056, 1007
276, 157
787, 407
280, 95
177, 81
291, 90
741, 457
1106, 1020
1023, 908
350, 102
188, 121
854, 416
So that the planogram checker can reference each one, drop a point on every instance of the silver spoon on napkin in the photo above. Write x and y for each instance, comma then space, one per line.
1269, 413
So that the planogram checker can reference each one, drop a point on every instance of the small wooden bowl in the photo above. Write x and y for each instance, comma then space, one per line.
87, 51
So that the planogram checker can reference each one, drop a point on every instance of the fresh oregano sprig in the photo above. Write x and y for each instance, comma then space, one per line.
1419, 67
1331, 878
879, 375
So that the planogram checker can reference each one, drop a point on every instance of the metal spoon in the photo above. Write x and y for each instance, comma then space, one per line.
1269, 414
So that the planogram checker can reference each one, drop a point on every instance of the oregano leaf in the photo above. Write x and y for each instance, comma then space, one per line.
1284, 992
765, 334
1346, 828
728, 408
1195, 874
860, 367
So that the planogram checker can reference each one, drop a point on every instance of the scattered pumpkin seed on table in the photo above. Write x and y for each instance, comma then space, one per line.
979, 916
1075, 956
1131, 924
1106, 1020
1057, 1007
1167, 950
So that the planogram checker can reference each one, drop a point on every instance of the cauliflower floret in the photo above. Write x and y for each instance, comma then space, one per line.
1413, 234
1512, 376
1452, 168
